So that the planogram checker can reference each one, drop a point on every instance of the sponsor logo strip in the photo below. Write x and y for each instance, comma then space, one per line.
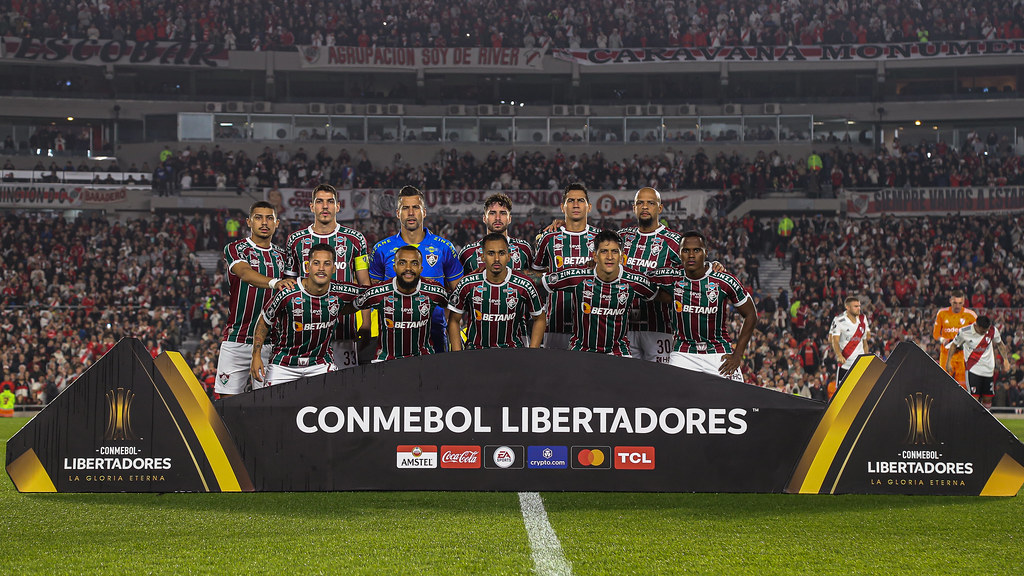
416, 456
634, 457
503, 457
550, 457
460, 456
592, 457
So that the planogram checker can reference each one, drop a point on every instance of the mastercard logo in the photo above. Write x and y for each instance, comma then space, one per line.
591, 457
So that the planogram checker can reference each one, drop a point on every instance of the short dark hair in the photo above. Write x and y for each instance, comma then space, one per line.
324, 188
494, 237
575, 186
695, 234
984, 322
957, 294
262, 204
409, 248
498, 199
321, 247
851, 299
406, 192
607, 236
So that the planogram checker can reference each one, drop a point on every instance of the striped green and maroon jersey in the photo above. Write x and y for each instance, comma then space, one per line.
404, 318
601, 308
520, 255
349, 245
247, 300
700, 308
495, 315
645, 253
302, 325
563, 249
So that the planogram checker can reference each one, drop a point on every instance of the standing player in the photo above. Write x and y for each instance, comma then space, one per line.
303, 320
350, 261
570, 245
405, 306
948, 322
976, 341
497, 218
439, 263
600, 299
847, 335
255, 267
498, 301
699, 296
648, 247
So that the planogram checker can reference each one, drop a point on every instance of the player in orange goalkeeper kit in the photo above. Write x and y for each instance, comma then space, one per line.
948, 322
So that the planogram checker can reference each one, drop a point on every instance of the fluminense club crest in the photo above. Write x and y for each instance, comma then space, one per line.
712, 293
431, 259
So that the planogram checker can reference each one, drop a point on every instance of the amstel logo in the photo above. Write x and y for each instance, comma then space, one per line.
919, 418
119, 406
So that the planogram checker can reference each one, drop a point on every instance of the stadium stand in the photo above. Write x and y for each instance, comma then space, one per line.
281, 25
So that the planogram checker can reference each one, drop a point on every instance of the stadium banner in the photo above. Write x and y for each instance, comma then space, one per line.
103, 52
816, 53
71, 196
293, 203
525, 419
935, 201
531, 203
453, 58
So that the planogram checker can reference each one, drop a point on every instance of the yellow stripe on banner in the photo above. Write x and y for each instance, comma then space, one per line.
821, 451
207, 425
1006, 479
29, 475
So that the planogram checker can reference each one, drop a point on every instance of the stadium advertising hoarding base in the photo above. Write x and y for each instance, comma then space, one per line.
543, 420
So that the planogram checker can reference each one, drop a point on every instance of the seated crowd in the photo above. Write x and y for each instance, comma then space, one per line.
283, 25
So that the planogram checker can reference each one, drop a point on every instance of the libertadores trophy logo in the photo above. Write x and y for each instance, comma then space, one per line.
919, 418
119, 424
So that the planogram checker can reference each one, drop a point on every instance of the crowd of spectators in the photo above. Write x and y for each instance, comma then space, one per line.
75, 288
923, 164
283, 24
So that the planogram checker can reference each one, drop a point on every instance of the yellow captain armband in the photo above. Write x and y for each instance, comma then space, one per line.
363, 262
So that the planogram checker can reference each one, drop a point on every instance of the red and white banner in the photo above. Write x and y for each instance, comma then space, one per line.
345, 57
64, 196
935, 201
102, 52
817, 53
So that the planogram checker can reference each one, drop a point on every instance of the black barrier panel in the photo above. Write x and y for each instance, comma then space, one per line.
520, 420
514, 420
905, 427
128, 424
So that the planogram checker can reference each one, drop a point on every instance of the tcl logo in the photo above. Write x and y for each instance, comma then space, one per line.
634, 457
460, 456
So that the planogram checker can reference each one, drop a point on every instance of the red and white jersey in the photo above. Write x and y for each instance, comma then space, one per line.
851, 336
979, 356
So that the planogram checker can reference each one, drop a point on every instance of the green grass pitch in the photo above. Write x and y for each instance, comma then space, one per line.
483, 533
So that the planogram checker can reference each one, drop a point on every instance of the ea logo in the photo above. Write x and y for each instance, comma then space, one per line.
504, 457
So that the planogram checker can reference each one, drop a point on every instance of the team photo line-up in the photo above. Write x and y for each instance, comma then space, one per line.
644, 292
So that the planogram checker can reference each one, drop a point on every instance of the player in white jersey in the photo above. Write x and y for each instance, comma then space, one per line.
255, 267
976, 341
847, 335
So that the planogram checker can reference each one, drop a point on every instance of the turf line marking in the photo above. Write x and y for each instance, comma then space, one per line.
545, 549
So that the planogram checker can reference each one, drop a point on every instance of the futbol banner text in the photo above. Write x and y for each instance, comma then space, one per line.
346, 57
935, 201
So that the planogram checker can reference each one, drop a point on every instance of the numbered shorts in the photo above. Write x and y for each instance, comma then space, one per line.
233, 368
278, 374
346, 353
979, 385
650, 346
709, 363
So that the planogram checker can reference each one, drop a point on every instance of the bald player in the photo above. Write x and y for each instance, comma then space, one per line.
948, 323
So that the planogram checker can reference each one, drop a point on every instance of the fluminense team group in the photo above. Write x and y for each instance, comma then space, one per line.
643, 292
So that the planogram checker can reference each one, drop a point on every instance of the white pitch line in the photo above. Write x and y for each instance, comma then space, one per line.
545, 549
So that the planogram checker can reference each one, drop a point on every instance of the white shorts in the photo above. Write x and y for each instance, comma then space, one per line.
278, 374
233, 368
709, 363
650, 346
556, 341
346, 353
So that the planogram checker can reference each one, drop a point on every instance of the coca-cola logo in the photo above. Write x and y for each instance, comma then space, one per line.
460, 456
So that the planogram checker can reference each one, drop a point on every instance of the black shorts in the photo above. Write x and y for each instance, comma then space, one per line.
841, 376
979, 385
